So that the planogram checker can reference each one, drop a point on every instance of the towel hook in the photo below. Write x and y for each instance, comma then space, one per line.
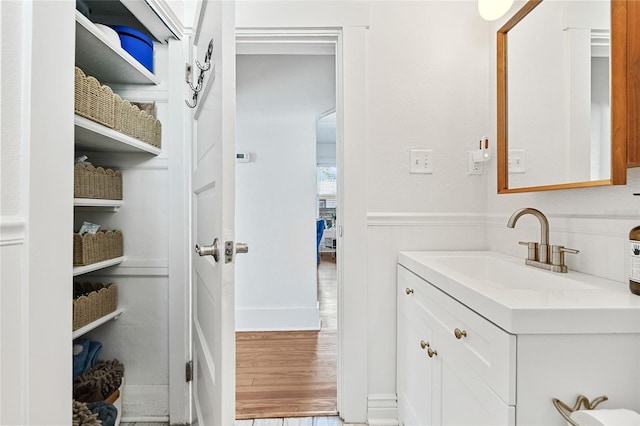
200, 83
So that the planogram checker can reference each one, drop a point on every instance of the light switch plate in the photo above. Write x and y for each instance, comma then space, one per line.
421, 161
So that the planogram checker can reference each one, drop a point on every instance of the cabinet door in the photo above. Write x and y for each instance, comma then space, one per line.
464, 398
415, 382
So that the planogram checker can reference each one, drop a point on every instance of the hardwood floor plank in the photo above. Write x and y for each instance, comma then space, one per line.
286, 374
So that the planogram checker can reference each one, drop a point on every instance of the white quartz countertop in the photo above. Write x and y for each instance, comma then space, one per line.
523, 299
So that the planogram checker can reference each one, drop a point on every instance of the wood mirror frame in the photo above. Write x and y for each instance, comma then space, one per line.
619, 101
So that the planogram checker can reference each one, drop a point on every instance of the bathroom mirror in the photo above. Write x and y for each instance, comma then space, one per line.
561, 97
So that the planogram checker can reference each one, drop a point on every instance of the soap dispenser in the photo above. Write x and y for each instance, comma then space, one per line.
634, 261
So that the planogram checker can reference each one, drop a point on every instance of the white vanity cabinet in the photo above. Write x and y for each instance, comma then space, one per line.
443, 380
481, 372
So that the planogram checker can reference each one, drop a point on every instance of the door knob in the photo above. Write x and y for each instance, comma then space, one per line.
228, 250
211, 250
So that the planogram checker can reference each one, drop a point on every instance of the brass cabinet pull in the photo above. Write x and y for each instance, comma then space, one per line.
432, 353
409, 290
459, 333
424, 344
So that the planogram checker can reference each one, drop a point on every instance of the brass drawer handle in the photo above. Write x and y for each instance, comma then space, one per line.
408, 290
432, 353
459, 333
424, 344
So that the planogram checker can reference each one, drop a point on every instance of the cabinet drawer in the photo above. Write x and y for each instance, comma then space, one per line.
484, 349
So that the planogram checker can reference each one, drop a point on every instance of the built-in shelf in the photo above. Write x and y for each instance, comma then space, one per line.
99, 57
91, 136
97, 323
79, 270
98, 204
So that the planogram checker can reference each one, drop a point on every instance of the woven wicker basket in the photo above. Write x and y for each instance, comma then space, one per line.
119, 113
98, 300
157, 134
92, 248
96, 182
98, 103
135, 122
93, 100
81, 97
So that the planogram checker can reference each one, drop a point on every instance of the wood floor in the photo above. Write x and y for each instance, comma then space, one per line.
283, 375
296, 421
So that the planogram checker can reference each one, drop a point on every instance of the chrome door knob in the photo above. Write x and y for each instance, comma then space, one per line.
212, 250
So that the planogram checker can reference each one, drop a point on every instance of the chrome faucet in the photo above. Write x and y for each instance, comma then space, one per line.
540, 254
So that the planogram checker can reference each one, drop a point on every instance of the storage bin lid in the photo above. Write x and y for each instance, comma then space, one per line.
122, 30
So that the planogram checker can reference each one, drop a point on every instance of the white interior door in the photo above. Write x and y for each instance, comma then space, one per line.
213, 188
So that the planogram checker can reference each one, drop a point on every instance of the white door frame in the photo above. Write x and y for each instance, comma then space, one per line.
350, 29
352, 247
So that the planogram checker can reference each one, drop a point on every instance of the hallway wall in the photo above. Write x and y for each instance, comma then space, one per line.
278, 100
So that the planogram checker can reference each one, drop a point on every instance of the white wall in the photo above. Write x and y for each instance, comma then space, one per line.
427, 78
36, 145
278, 100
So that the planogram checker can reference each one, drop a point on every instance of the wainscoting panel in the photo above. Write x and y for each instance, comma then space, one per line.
13, 327
389, 233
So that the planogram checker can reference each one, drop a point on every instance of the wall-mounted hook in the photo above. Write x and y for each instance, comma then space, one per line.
203, 69
195, 101
207, 58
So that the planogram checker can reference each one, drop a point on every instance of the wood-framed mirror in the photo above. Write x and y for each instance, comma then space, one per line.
562, 96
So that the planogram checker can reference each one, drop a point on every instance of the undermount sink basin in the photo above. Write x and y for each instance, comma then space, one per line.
499, 271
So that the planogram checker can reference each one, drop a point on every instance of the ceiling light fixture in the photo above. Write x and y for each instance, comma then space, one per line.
493, 9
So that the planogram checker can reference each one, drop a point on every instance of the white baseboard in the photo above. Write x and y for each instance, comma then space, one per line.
382, 410
278, 319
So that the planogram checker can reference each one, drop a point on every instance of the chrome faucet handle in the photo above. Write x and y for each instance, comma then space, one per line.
532, 253
557, 257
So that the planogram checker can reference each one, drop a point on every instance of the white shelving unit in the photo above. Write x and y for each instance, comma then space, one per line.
98, 204
85, 269
97, 323
91, 136
106, 61
98, 56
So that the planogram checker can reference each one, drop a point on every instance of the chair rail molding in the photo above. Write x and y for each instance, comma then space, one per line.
425, 219
12, 230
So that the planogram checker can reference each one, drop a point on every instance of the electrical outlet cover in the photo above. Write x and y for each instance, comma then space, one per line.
474, 167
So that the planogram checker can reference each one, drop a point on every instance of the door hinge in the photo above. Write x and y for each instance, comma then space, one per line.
188, 371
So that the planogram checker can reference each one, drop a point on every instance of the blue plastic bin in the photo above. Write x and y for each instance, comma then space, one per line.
137, 44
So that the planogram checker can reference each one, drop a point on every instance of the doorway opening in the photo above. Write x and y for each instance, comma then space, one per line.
286, 181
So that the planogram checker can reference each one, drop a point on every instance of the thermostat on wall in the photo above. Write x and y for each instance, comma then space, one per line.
243, 157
